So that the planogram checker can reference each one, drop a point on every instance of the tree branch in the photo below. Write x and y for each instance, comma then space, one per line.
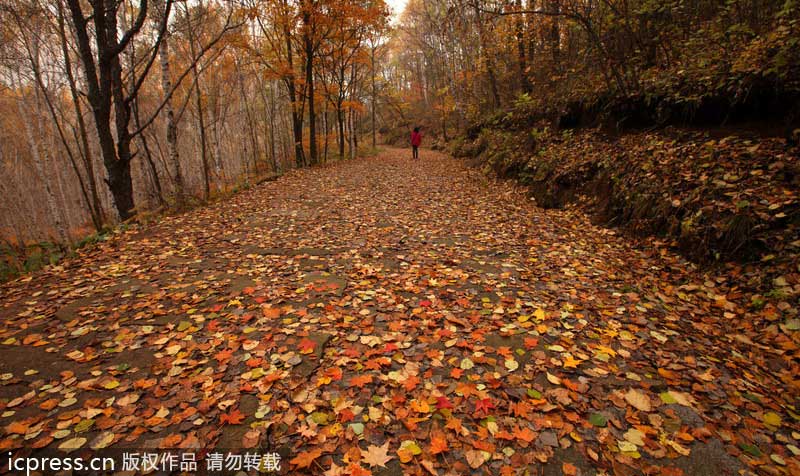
228, 27
128, 36
162, 30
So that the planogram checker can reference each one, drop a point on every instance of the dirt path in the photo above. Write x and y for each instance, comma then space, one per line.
388, 302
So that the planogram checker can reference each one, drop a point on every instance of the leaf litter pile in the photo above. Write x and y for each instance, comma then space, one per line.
388, 317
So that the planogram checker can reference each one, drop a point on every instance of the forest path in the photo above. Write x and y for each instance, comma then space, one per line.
394, 316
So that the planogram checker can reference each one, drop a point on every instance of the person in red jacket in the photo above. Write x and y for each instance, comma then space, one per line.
416, 140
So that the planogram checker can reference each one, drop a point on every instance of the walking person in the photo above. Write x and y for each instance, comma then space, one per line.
416, 141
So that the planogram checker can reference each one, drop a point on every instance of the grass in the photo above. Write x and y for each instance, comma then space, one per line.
17, 260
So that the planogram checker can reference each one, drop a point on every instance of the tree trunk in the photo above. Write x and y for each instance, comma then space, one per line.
297, 116
104, 84
171, 127
486, 57
245, 108
198, 101
327, 132
50, 197
523, 63
555, 33
372, 58
353, 95
96, 206
33, 57
275, 165
340, 122
308, 41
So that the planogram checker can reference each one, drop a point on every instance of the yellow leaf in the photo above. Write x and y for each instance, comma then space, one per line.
72, 445
102, 441
680, 449
539, 315
634, 436
408, 449
626, 446
772, 419
173, 349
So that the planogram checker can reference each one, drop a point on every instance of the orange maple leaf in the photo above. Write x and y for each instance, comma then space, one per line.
483, 445
465, 389
668, 374
346, 415
271, 312
373, 364
360, 380
171, 441
569, 469
305, 458
507, 471
412, 424
223, 355
454, 424
233, 418
334, 373
144, 383
411, 383
438, 444
524, 434
355, 469
520, 409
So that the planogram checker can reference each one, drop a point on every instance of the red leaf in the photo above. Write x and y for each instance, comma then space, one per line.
443, 402
484, 405
306, 346
389, 347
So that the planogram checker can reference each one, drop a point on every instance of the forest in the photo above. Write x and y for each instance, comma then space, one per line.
180, 102
118, 109
219, 236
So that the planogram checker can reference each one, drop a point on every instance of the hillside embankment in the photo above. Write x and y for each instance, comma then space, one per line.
722, 196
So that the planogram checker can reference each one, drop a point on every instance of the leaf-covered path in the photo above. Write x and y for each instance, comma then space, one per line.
395, 317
